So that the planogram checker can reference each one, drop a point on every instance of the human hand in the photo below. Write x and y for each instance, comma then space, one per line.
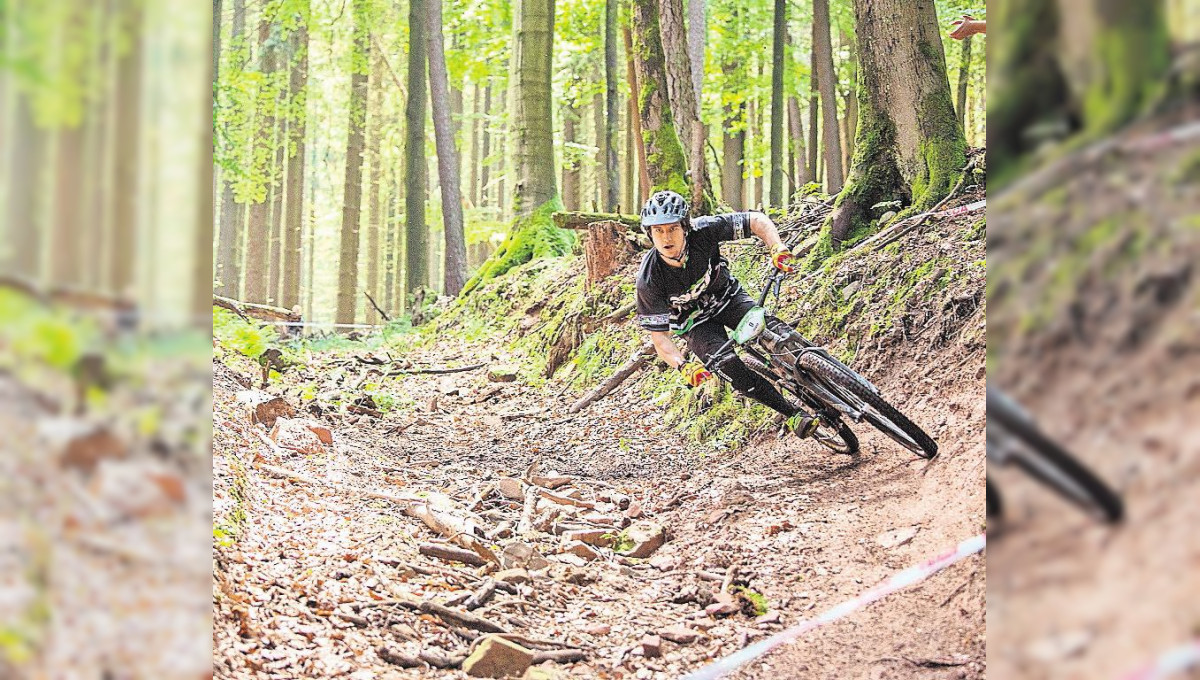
695, 373
781, 257
966, 27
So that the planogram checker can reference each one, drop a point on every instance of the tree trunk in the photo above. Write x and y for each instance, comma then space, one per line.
416, 232
66, 257
472, 161
27, 159
347, 293
685, 109
851, 99
297, 129
233, 213
123, 253
796, 128
612, 197
200, 295
571, 195
665, 159
374, 162
733, 149
535, 198
279, 140
827, 82
910, 146
814, 107
964, 74
635, 103
778, 61
631, 166
600, 165
484, 189
697, 28
97, 161
455, 267
258, 229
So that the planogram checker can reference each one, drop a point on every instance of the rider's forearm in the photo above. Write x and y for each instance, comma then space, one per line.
667, 351
762, 227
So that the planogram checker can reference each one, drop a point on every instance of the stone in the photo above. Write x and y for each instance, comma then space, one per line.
81, 445
295, 435
513, 576
323, 433
523, 556
634, 510
664, 562
541, 673
512, 488
768, 619
502, 373
894, 538
600, 518
496, 657
602, 538
679, 634
850, 289
646, 536
651, 646
886, 217
598, 629
581, 549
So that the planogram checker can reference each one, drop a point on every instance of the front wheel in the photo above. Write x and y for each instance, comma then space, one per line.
856, 391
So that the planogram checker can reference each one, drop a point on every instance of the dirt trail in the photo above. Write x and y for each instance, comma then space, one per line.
1111, 369
805, 528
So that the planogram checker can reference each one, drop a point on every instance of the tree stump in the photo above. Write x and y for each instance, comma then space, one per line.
605, 249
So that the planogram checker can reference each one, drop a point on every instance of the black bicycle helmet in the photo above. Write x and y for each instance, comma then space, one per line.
664, 207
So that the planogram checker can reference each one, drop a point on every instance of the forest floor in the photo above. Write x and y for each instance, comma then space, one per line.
307, 582
1094, 327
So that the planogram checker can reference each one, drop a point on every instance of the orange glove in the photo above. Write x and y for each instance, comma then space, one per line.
695, 373
781, 257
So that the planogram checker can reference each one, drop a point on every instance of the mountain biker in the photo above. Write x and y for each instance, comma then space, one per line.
684, 286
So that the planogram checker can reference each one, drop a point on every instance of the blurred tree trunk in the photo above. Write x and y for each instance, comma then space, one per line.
278, 168
964, 75
484, 189
814, 108
775, 192
697, 30
472, 158
612, 195
122, 263
97, 159
827, 82
66, 261
374, 218
258, 229
851, 99
297, 129
570, 174
635, 104
910, 145
233, 213
455, 252
796, 128
347, 293
416, 232
200, 295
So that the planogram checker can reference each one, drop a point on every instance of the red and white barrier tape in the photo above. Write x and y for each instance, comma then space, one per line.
1174, 661
962, 209
898, 581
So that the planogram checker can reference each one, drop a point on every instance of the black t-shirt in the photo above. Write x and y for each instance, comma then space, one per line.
679, 298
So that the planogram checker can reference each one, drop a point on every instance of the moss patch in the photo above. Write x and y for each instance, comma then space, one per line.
529, 238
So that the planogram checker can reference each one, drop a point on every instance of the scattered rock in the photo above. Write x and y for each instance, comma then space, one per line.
664, 562
135, 489
550, 482
295, 435
598, 629
580, 577
496, 657
894, 538
651, 646
323, 433
514, 576
81, 445
502, 373
634, 511
886, 217
768, 619
512, 488
520, 555
850, 289
598, 537
600, 518
646, 536
581, 549
679, 634
447, 386
541, 673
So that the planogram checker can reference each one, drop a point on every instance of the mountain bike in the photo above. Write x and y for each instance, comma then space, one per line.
810, 374
1014, 437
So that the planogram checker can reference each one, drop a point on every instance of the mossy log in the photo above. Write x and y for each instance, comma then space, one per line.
261, 312
582, 220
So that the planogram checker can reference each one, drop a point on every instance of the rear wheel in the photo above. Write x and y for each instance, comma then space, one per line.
857, 392
835, 435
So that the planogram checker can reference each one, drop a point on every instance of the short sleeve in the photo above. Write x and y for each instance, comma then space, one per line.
726, 227
653, 311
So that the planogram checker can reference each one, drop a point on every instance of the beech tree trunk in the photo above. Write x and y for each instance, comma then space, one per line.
374, 163
775, 193
571, 194
635, 104
297, 128
416, 232
612, 197
910, 146
454, 271
827, 82
964, 75
347, 295
685, 110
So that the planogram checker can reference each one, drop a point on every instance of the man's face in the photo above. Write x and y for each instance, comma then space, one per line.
668, 239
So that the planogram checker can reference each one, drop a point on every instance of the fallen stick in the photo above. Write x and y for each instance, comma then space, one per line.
376, 306
639, 359
559, 656
621, 312
395, 657
481, 596
564, 500
434, 371
451, 554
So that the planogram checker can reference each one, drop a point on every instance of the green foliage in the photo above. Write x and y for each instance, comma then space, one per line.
246, 338
756, 599
529, 238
